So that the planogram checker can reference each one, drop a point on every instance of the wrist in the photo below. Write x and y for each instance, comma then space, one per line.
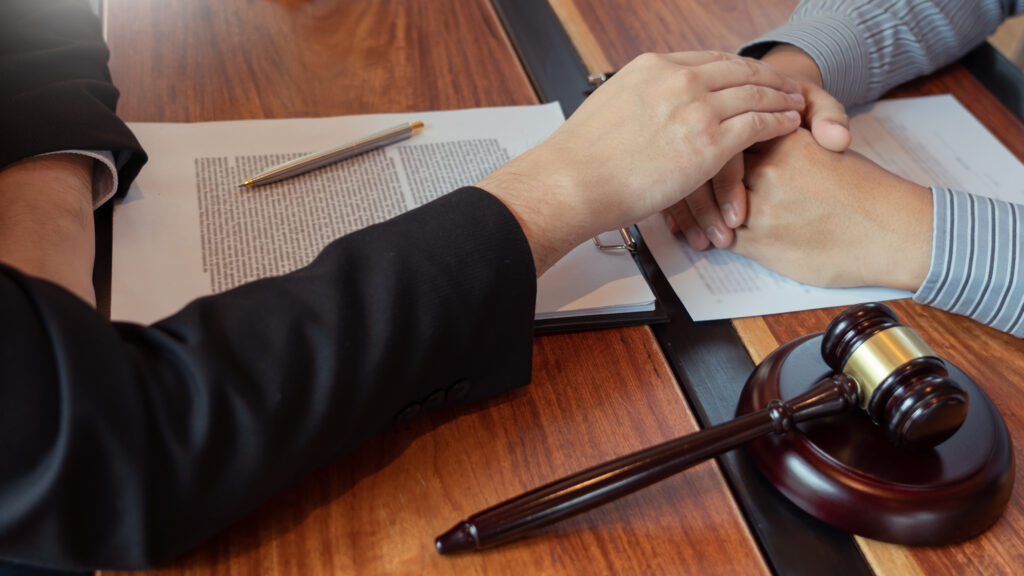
795, 63
46, 220
539, 206
903, 246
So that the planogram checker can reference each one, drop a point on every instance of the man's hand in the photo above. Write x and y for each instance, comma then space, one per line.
46, 220
833, 219
707, 217
649, 136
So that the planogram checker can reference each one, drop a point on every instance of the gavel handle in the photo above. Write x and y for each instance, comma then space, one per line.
616, 478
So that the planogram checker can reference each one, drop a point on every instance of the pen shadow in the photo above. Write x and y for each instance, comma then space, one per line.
287, 510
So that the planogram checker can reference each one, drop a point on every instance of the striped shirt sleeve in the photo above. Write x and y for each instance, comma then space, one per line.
976, 267
866, 47
863, 49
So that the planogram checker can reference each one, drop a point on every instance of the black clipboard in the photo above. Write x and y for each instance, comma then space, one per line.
632, 246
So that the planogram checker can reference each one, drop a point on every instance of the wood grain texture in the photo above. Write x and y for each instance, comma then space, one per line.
595, 395
583, 39
191, 60
624, 29
756, 337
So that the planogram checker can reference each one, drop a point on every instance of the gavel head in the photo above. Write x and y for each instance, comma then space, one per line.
903, 384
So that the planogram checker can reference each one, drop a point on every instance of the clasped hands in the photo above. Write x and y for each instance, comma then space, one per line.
666, 124
805, 206
663, 125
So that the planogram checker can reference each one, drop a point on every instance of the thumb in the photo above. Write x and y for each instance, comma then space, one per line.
827, 119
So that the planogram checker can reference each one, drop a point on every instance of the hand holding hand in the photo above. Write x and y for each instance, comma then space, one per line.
708, 216
653, 133
831, 219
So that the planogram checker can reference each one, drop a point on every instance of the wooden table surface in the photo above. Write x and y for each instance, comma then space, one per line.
594, 395
608, 33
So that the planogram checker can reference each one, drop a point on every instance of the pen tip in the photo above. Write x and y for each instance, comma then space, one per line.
459, 538
245, 184
415, 125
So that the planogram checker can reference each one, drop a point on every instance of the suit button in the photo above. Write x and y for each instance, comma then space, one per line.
408, 413
435, 400
459, 390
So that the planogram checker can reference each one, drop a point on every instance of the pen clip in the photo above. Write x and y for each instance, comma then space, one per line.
628, 242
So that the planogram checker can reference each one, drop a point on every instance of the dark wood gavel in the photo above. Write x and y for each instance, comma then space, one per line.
880, 365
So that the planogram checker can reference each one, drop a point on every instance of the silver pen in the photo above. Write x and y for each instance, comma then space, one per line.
332, 155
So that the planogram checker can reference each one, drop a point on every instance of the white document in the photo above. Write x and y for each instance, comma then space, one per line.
185, 230
931, 140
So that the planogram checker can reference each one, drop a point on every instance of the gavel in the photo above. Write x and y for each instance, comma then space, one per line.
880, 366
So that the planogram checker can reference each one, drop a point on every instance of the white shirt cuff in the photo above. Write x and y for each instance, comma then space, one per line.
104, 174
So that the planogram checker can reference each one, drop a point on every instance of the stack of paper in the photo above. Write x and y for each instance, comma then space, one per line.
185, 230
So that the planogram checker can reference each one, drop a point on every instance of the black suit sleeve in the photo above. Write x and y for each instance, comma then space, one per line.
124, 445
55, 89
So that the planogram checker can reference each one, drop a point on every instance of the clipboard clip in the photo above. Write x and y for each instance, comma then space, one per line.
628, 242
595, 80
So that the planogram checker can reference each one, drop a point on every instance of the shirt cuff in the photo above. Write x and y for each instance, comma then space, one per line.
977, 260
104, 173
834, 43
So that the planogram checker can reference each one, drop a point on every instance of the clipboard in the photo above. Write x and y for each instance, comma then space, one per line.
631, 246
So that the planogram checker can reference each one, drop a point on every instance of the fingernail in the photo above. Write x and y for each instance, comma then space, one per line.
716, 236
792, 114
695, 238
798, 98
732, 219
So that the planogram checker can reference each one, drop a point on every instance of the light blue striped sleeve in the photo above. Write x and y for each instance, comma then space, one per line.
863, 49
866, 47
976, 267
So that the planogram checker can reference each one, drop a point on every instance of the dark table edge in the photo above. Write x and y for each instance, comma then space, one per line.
708, 358
1004, 80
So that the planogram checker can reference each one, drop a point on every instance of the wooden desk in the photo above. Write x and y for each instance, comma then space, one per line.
608, 33
594, 395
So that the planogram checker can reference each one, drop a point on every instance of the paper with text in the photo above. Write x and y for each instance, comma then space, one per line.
185, 230
931, 140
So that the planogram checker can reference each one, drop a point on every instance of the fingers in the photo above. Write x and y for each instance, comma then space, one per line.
731, 192
737, 100
719, 208
681, 219
707, 220
741, 131
827, 119
700, 58
732, 72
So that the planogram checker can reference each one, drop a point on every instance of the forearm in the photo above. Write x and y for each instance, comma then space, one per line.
151, 439
867, 47
977, 262
46, 221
